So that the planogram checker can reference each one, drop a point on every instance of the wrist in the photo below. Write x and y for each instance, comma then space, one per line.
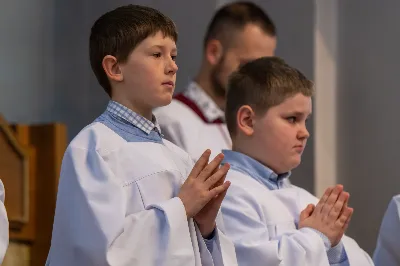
188, 214
207, 230
325, 239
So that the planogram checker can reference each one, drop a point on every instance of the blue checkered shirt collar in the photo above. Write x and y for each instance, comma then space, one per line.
133, 118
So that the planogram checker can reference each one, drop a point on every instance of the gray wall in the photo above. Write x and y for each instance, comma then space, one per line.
78, 98
368, 126
26, 68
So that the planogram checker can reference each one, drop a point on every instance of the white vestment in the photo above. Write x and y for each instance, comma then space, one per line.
189, 123
117, 203
387, 252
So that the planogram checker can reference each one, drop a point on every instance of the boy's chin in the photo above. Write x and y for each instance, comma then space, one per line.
164, 101
295, 163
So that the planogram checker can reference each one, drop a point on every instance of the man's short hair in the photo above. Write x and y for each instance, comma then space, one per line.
233, 17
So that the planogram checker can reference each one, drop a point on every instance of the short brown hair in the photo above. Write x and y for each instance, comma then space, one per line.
119, 31
262, 84
236, 16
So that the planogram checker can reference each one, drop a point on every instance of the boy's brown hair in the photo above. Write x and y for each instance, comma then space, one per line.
262, 84
119, 31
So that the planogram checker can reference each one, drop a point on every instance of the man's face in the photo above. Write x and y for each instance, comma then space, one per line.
246, 45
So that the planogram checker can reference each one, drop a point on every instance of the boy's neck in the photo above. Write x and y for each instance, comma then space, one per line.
140, 110
246, 149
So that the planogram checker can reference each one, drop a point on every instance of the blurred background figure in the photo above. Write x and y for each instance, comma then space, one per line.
387, 252
238, 33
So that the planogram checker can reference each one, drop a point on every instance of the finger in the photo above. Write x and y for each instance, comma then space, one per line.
220, 197
338, 206
218, 177
200, 164
331, 200
209, 169
323, 199
307, 212
344, 218
219, 182
346, 225
219, 190
345, 205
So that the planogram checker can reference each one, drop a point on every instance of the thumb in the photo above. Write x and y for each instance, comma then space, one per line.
307, 212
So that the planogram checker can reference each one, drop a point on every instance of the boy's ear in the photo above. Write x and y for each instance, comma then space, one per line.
214, 52
112, 68
245, 120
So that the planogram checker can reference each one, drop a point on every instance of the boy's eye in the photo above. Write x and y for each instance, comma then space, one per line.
291, 119
157, 55
173, 57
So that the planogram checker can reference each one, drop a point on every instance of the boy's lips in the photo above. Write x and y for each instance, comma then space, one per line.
170, 83
299, 148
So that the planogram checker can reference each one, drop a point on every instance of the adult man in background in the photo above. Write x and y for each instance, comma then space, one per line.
239, 32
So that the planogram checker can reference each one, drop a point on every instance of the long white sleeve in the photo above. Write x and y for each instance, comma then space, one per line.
91, 226
222, 249
253, 242
3, 224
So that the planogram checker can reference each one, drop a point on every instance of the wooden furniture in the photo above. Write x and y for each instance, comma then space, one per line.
30, 163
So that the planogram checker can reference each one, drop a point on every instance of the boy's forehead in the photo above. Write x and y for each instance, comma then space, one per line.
297, 103
159, 39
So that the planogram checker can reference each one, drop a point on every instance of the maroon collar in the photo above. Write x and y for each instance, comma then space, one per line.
192, 105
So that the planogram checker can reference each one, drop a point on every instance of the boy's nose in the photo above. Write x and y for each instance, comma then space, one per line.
303, 133
172, 67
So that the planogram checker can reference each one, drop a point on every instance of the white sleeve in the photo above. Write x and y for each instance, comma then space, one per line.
224, 246
3, 224
355, 254
91, 226
221, 248
219, 251
387, 251
251, 237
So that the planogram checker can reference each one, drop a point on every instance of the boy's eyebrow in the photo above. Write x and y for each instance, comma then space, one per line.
297, 113
163, 47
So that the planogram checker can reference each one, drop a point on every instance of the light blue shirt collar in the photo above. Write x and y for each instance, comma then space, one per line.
251, 167
129, 125
135, 119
